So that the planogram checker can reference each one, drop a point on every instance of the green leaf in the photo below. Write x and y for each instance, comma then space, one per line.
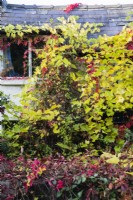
64, 146
80, 194
83, 178
59, 193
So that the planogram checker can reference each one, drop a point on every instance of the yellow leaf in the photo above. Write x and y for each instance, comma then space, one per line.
131, 164
72, 75
130, 173
39, 112
42, 135
35, 198
113, 160
19, 27
54, 107
106, 155
55, 129
37, 71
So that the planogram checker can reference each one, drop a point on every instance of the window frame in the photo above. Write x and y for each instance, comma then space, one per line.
29, 62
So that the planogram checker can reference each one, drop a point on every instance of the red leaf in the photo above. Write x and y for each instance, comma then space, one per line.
71, 7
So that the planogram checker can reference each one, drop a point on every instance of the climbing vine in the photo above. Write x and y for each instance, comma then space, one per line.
77, 92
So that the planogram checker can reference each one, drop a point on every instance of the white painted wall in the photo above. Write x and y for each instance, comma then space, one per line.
11, 88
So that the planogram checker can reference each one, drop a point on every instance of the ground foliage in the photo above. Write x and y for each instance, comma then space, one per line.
86, 177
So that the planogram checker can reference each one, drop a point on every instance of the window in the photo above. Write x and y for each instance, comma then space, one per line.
15, 61
19, 60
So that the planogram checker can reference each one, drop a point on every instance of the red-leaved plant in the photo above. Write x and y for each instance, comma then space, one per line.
80, 178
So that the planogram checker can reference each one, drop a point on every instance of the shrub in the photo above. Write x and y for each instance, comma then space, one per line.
79, 178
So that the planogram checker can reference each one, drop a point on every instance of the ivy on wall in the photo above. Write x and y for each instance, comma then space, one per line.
76, 92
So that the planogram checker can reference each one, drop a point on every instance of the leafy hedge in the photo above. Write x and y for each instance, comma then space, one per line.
80, 178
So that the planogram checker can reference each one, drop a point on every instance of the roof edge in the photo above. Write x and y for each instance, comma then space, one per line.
82, 6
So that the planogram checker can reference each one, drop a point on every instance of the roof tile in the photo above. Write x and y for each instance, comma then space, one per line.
112, 16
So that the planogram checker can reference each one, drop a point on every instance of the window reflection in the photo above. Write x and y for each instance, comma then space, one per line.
13, 61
